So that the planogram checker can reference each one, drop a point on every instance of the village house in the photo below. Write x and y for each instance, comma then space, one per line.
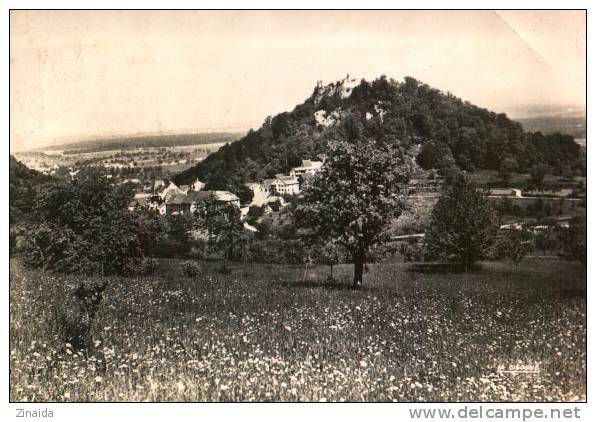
261, 192
274, 203
154, 203
188, 204
140, 200
167, 189
168, 198
160, 184
280, 185
308, 167
223, 197
259, 187
135, 184
283, 185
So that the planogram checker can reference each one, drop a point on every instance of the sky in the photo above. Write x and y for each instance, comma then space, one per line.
85, 74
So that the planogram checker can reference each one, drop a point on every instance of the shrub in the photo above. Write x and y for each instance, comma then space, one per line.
198, 249
254, 213
58, 249
167, 248
75, 319
89, 295
506, 167
84, 227
537, 173
175, 240
574, 241
413, 252
328, 253
191, 269
73, 328
137, 267
514, 245
277, 251
224, 269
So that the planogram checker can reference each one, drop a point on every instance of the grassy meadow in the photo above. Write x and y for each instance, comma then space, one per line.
267, 333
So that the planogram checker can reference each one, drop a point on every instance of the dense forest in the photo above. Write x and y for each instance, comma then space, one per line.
422, 120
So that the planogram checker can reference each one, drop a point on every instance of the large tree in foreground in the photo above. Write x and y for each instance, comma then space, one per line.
462, 226
354, 198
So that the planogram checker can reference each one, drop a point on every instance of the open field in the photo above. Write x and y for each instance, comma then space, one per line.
172, 159
170, 153
145, 141
519, 180
262, 333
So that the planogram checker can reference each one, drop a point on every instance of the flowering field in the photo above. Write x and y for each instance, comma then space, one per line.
264, 333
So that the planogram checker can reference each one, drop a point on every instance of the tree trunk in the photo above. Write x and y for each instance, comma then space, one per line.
230, 251
467, 260
305, 271
464, 260
358, 271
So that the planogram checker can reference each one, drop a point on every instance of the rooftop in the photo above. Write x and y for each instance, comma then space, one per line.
203, 195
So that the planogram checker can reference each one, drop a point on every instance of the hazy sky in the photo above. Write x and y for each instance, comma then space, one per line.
82, 74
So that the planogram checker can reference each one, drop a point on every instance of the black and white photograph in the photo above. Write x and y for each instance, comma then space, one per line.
297, 206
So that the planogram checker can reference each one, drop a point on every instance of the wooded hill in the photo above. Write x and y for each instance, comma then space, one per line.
23, 188
410, 114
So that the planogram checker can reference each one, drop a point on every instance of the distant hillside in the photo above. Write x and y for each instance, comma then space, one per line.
155, 141
569, 125
567, 119
409, 114
23, 182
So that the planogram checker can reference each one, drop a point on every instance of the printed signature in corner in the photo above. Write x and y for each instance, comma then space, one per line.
519, 368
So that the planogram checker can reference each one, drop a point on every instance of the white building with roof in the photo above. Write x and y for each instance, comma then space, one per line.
285, 185
307, 167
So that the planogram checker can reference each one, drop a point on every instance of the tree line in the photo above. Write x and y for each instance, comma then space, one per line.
83, 226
